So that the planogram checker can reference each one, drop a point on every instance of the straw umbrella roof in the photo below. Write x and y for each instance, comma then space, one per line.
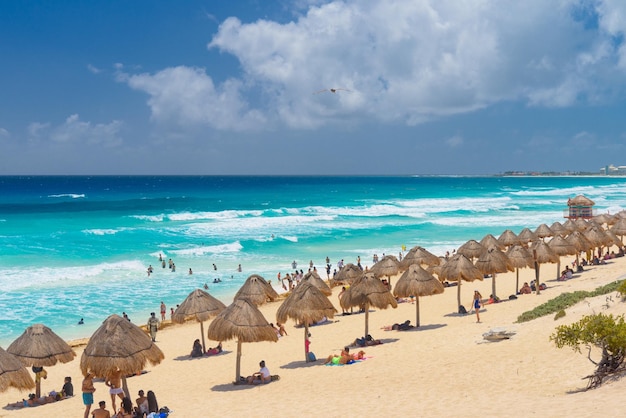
561, 246
579, 241
242, 321
367, 291
580, 200
619, 227
257, 290
315, 279
387, 266
200, 305
526, 235
13, 373
419, 255
603, 218
347, 274
459, 268
416, 281
520, 257
40, 346
471, 249
570, 225
558, 229
581, 224
508, 238
493, 261
306, 304
119, 345
489, 241
597, 236
544, 253
614, 239
543, 231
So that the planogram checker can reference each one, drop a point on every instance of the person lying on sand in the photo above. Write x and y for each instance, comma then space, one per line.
214, 350
345, 357
406, 325
367, 341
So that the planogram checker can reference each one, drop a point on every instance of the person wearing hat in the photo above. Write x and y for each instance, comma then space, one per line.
153, 325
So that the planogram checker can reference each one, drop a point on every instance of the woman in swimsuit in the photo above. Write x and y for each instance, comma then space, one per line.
477, 303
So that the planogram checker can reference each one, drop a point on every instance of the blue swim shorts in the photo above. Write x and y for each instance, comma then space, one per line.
87, 398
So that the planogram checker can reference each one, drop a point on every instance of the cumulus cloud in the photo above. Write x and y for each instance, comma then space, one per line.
404, 62
73, 130
186, 96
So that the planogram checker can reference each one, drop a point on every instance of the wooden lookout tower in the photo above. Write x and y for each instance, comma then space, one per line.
579, 207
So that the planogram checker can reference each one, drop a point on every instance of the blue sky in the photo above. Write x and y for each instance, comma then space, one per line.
211, 87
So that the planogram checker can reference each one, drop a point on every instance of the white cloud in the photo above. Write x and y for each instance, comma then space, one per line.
188, 96
73, 130
405, 62
455, 141
94, 69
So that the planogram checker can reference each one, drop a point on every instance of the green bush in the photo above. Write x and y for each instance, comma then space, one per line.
565, 300
559, 314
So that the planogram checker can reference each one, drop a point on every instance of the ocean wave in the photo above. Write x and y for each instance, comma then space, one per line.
101, 231
72, 195
233, 247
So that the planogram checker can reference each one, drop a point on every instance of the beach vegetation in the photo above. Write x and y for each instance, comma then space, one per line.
565, 300
621, 289
604, 332
559, 314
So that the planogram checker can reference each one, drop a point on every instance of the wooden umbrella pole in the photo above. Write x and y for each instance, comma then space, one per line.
417, 311
458, 295
306, 334
202, 333
367, 316
516, 280
37, 387
558, 268
125, 387
536, 270
493, 284
238, 367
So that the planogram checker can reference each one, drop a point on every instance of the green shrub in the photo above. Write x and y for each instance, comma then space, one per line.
559, 314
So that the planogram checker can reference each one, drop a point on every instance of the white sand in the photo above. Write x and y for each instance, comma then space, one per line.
445, 368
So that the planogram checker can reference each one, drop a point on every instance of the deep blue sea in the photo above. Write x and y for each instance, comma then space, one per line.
75, 247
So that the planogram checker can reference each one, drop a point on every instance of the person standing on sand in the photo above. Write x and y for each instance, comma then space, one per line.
153, 326
88, 390
114, 382
163, 311
476, 303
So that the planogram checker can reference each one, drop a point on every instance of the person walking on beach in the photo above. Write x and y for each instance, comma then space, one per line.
153, 326
88, 390
476, 303
114, 382
163, 311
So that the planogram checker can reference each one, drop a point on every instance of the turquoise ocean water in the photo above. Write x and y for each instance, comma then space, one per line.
73, 247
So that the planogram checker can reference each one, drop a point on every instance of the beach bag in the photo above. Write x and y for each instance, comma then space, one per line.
512, 297
311, 356
462, 310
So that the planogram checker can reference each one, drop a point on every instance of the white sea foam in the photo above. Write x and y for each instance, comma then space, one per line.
102, 231
211, 249
72, 195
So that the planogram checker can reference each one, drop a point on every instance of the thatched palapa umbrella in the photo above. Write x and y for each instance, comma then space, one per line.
543, 231
493, 261
526, 236
581, 224
542, 253
619, 228
13, 373
200, 305
417, 282
257, 290
39, 346
387, 266
307, 305
118, 345
459, 268
561, 247
520, 257
471, 249
490, 241
242, 321
570, 226
315, 279
597, 237
368, 291
420, 256
558, 229
509, 239
346, 275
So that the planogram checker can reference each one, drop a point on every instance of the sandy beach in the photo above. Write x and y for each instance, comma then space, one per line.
443, 368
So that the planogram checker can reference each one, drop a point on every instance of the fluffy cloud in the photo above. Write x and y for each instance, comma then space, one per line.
405, 62
73, 130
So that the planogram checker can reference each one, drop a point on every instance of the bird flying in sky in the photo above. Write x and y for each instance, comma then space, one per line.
330, 90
